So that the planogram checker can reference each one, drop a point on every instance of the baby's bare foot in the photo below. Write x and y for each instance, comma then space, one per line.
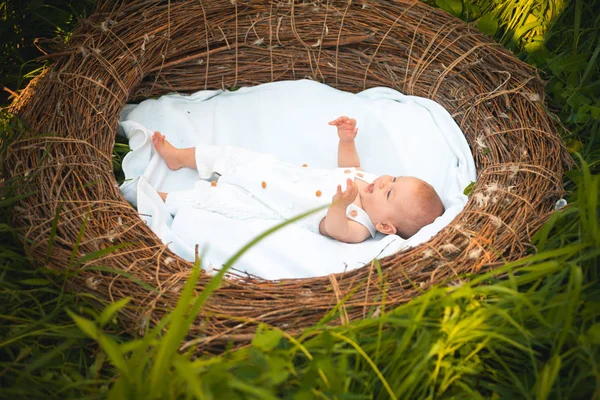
166, 151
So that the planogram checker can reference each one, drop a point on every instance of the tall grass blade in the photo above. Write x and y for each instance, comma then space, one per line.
108, 313
169, 344
77, 241
53, 231
369, 361
101, 253
119, 272
548, 377
108, 345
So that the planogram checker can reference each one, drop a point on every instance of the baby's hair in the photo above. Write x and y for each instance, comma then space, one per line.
428, 207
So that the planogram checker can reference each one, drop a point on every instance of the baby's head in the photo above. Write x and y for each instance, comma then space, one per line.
401, 205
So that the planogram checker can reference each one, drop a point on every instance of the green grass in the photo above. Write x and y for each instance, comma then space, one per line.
530, 329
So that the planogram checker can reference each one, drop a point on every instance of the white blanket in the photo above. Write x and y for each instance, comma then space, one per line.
398, 135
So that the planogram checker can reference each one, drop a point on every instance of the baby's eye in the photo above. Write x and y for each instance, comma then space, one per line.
388, 194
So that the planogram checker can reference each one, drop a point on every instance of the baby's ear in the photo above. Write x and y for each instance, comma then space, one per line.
386, 228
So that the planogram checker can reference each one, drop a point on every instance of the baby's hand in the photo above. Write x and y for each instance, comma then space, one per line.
346, 197
346, 127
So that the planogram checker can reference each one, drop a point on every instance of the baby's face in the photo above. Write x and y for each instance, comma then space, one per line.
387, 198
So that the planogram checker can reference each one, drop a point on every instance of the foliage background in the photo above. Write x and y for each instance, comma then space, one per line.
529, 330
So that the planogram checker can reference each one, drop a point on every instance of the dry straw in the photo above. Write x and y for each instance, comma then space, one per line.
135, 49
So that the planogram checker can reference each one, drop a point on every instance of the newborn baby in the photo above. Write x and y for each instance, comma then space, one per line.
391, 205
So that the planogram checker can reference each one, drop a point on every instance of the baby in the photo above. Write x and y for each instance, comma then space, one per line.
391, 205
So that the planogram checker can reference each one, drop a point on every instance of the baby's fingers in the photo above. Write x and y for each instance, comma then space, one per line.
338, 120
351, 189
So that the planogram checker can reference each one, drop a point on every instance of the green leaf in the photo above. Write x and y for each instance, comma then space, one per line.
454, 7
115, 356
471, 11
578, 100
121, 273
548, 377
595, 111
266, 339
95, 368
46, 357
53, 231
101, 253
364, 355
591, 64
87, 326
84, 222
583, 114
109, 346
109, 311
278, 370
177, 329
36, 282
11, 200
256, 392
189, 376
594, 333
6, 228
488, 24
469, 189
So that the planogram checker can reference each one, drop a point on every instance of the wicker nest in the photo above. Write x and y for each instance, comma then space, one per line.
137, 49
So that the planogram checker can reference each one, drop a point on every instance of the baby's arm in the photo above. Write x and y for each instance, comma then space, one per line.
347, 130
336, 224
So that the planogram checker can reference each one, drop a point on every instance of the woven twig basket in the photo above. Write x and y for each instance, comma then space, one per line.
136, 49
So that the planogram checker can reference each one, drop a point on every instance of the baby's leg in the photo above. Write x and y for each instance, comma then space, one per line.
175, 158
